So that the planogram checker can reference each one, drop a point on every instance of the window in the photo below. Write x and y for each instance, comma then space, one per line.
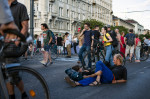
68, 27
60, 11
79, 16
36, 23
67, 12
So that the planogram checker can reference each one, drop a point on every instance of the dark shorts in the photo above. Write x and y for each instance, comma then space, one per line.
47, 47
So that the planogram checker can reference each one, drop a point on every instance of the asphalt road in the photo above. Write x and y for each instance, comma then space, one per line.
137, 87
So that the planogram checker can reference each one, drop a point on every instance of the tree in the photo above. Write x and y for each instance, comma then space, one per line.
121, 29
92, 23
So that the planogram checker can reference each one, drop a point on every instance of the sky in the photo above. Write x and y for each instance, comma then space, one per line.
143, 18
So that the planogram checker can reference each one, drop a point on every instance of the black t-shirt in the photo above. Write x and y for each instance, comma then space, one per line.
59, 41
96, 34
120, 72
19, 13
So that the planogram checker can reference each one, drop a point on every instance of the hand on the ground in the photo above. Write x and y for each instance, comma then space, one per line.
114, 81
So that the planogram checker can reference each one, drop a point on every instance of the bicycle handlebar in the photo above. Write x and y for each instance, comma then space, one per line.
9, 48
15, 32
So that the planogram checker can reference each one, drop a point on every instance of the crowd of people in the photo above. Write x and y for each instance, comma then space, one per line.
111, 71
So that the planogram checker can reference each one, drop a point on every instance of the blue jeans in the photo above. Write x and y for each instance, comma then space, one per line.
108, 56
82, 50
137, 52
106, 76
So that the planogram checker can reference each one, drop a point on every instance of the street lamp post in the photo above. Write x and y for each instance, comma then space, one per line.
32, 17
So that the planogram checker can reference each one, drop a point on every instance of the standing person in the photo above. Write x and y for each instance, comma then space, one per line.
59, 44
40, 41
88, 44
118, 39
113, 36
122, 44
68, 44
97, 36
47, 40
130, 43
75, 43
81, 40
108, 45
147, 42
137, 48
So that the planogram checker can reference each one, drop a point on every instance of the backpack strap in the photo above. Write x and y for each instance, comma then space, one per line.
106, 37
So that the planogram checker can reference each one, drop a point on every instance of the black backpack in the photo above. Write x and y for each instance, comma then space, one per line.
130, 40
113, 36
74, 75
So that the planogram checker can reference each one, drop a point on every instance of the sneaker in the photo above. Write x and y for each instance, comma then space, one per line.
70, 82
43, 62
93, 63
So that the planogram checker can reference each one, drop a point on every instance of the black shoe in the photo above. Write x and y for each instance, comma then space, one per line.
68, 57
24, 96
51, 62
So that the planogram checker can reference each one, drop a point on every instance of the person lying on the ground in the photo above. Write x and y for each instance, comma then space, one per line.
76, 73
117, 74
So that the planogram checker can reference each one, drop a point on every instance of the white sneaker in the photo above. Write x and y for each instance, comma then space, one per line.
43, 62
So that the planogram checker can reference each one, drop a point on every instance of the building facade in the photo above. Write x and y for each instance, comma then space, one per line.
139, 29
120, 22
66, 15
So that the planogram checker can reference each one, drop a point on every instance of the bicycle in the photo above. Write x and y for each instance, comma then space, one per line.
95, 54
14, 73
144, 54
99, 53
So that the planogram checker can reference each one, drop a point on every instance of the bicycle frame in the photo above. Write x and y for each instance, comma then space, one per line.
2, 82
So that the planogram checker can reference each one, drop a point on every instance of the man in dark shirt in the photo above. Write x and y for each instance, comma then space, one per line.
21, 19
130, 44
88, 44
97, 35
59, 43
20, 15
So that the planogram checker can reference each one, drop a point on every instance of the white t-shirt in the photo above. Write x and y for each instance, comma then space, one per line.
41, 38
68, 41
75, 40
146, 41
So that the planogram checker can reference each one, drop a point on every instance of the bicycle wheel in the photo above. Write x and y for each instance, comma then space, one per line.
34, 84
124, 58
144, 55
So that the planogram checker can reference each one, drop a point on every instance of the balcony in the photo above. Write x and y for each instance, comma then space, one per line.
94, 2
52, 0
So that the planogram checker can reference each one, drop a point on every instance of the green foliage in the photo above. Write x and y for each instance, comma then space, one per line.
142, 36
121, 29
92, 23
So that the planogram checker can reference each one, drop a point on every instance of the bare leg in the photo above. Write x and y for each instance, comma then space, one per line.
49, 56
20, 86
97, 79
10, 88
131, 56
46, 56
